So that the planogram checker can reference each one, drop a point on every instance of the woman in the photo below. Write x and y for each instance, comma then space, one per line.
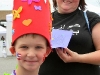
82, 57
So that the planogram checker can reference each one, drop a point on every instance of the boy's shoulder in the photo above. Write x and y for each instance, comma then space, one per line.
12, 72
8, 73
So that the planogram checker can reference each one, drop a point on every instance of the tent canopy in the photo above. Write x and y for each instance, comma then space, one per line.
93, 8
2, 30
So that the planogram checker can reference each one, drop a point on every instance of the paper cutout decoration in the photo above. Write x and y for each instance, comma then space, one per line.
36, 0
60, 38
13, 31
37, 7
16, 13
50, 27
29, 1
51, 17
27, 22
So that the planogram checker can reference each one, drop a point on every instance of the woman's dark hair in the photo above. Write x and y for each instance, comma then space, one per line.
81, 4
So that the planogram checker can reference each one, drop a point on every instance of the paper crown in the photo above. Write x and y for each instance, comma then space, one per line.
31, 16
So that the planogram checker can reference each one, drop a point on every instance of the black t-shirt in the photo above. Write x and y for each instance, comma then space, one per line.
81, 42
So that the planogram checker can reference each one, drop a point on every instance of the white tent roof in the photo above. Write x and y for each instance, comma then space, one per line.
9, 17
93, 8
2, 30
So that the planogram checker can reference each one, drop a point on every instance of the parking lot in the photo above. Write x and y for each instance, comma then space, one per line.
7, 64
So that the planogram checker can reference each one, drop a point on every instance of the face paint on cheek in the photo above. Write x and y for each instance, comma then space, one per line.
18, 56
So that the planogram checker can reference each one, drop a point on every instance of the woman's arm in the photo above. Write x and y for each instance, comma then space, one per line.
92, 58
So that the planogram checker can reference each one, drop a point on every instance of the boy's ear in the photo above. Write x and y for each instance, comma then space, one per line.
12, 50
48, 51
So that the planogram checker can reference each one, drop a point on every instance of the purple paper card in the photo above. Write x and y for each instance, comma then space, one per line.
60, 38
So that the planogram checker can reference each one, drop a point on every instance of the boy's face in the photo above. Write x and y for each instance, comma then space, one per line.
32, 51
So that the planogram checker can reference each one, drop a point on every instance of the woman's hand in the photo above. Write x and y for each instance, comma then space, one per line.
67, 55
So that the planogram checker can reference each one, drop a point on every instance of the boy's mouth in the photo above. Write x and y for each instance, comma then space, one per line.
67, 1
30, 61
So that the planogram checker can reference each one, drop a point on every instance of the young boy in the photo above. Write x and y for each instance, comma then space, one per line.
31, 35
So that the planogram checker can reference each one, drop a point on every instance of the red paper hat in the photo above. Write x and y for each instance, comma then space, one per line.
31, 16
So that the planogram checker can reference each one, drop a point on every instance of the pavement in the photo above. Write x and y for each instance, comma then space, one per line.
7, 64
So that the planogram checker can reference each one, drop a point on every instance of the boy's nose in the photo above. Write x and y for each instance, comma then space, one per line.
64, 0
31, 53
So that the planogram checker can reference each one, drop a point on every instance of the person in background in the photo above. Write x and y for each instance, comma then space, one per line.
82, 56
4, 47
2, 38
4, 50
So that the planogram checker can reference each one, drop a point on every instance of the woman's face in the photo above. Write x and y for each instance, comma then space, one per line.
67, 6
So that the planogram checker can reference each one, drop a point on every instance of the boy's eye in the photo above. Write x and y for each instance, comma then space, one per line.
38, 47
24, 47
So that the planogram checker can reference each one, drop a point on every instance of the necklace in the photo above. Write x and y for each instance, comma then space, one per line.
14, 73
